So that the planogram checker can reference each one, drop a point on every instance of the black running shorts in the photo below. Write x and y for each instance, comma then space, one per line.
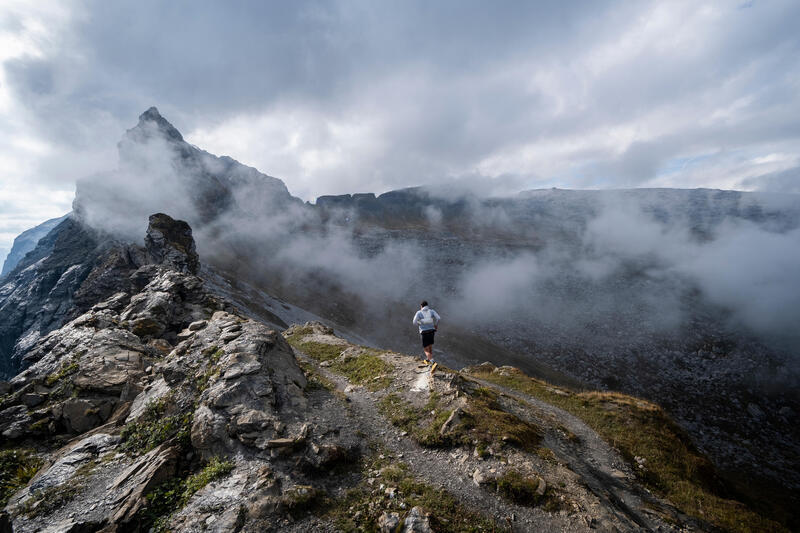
427, 337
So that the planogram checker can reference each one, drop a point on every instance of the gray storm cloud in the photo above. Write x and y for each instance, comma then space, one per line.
338, 97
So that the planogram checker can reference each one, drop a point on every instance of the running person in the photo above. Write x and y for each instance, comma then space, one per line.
428, 321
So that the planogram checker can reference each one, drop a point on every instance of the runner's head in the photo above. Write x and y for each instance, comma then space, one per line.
423, 304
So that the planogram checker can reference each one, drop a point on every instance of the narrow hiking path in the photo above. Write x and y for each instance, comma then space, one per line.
589, 485
445, 469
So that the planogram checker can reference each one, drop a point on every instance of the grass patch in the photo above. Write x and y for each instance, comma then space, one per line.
154, 427
546, 454
490, 423
67, 368
172, 495
17, 467
320, 351
365, 369
361, 506
483, 422
362, 368
47, 500
518, 488
673, 467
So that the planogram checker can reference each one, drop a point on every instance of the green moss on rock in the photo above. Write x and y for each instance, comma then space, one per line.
17, 467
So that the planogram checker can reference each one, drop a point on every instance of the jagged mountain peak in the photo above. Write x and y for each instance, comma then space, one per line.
152, 121
192, 184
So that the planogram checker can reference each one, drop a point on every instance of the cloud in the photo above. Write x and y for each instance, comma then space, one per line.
338, 97
642, 267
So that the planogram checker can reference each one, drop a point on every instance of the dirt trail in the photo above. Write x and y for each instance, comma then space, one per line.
440, 469
611, 503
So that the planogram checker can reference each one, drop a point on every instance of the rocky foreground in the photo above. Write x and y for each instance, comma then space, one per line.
164, 407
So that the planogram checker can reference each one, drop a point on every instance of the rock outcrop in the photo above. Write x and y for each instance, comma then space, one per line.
169, 242
149, 383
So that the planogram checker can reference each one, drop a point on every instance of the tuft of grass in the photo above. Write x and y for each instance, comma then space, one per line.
212, 354
315, 380
40, 425
298, 332
17, 467
672, 466
546, 454
320, 351
67, 368
173, 494
301, 499
155, 427
491, 423
518, 488
47, 500
399, 412
483, 422
364, 368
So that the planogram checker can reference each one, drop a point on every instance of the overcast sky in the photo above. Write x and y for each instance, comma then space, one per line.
356, 96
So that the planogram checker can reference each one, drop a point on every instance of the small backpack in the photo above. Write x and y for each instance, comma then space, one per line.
427, 319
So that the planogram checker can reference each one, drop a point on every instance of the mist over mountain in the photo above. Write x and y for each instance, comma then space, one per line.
564, 250
686, 297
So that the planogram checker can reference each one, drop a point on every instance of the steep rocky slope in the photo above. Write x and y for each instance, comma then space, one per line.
27, 241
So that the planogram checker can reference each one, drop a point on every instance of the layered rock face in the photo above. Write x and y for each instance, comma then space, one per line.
159, 369
40, 293
27, 241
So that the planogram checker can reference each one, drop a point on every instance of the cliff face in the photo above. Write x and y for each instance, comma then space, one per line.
40, 293
163, 406
27, 241
593, 284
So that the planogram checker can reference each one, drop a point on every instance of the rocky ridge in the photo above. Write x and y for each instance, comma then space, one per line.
163, 406
26, 241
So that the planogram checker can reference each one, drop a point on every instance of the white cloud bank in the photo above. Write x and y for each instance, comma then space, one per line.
337, 97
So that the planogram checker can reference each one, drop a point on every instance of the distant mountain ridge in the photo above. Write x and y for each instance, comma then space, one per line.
26, 241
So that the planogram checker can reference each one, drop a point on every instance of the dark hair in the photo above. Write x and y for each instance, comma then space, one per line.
424, 303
